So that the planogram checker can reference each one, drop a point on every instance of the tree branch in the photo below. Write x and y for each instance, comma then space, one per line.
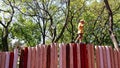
11, 14
2, 24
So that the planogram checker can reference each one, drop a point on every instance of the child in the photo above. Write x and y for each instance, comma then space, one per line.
80, 30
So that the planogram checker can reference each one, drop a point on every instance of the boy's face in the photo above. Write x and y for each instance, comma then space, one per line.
82, 22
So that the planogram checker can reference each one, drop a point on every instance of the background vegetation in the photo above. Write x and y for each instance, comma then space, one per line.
32, 22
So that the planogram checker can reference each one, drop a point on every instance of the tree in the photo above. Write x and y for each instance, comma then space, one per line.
6, 23
111, 32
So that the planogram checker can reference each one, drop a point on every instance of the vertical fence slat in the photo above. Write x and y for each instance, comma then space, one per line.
93, 56
78, 56
115, 58
29, 58
11, 60
15, 58
34, 51
3, 58
112, 57
91, 62
62, 54
89, 56
48, 56
108, 57
97, 57
68, 56
75, 61
52, 56
32, 57
25, 57
56, 56
45, 56
0, 59
118, 58
84, 56
7, 59
101, 57
71, 56
37, 56
104, 57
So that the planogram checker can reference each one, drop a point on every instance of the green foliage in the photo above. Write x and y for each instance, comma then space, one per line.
27, 31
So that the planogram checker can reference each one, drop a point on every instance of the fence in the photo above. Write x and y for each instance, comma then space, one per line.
62, 56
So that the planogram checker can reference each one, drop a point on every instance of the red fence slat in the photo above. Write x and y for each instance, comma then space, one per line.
78, 56
63, 55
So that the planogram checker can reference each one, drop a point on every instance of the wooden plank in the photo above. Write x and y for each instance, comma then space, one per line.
7, 60
97, 57
45, 56
78, 56
25, 56
16, 58
75, 61
71, 56
105, 57
67, 56
92, 56
108, 57
115, 58
112, 57
89, 56
40, 56
118, 58
52, 56
56, 56
91, 63
101, 57
48, 56
84, 56
37, 56
33, 57
3, 58
29, 58
62, 58
11, 59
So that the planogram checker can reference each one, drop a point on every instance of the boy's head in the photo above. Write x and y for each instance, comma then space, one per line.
82, 21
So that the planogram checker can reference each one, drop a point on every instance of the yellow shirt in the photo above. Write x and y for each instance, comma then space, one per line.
80, 28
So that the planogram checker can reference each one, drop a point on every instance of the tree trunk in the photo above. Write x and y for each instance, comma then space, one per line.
111, 32
4, 40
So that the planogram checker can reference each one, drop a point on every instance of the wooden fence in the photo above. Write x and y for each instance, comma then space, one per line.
62, 56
